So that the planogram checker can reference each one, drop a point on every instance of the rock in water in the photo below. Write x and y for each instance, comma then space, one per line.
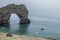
42, 29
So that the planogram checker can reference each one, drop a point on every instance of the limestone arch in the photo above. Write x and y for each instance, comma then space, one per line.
20, 10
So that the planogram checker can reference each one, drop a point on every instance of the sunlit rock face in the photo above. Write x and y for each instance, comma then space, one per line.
20, 10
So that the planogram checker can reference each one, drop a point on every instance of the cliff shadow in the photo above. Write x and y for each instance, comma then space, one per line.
23, 29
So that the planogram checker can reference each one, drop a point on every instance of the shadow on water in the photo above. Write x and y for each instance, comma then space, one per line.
15, 29
18, 29
4, 28
23, 29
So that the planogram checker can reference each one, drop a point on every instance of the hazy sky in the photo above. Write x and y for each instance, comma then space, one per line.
49, 7
38, 2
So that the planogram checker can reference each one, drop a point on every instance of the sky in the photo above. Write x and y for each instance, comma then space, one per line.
38, 2
49, 7
34, 3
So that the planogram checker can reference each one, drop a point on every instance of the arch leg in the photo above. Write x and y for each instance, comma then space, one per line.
24, 21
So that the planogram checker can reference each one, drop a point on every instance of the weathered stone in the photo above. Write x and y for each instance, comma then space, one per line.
24, 21
9, 35
20, 10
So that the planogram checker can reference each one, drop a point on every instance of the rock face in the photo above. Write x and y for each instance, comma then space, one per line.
20, 10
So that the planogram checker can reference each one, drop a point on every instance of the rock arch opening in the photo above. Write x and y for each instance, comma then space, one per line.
14, 23
14, 19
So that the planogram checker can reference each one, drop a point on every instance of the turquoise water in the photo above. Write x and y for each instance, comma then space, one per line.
51, 29
42, 13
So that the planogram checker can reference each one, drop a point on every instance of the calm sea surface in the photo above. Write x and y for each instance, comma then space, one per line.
42, 15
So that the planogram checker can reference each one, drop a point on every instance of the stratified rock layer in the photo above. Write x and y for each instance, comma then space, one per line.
20, 10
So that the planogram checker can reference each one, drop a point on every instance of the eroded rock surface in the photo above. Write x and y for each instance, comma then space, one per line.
20, 10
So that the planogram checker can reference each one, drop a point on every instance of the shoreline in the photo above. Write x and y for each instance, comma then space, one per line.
21, 37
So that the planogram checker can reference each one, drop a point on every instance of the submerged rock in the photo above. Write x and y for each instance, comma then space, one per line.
42, 29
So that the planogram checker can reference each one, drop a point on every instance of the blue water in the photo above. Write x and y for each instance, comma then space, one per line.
42, 13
